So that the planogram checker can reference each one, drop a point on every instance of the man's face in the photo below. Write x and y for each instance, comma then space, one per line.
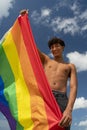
57, 49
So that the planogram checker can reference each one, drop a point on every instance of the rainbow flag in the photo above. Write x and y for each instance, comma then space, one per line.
25, 96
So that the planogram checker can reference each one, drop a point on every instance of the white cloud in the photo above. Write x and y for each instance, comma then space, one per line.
84, 15
72, 24
83, 123
45, 12
80, 103
5, 5
75, 8
67, 25
42, 17
3, 123
79, 59
50, 55
84, 28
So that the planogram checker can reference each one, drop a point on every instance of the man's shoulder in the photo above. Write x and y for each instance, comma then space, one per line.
72, 66
69, 64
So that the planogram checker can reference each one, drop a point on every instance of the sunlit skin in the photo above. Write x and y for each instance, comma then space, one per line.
57, 73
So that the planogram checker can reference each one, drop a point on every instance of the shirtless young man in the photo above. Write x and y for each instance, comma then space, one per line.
57, 73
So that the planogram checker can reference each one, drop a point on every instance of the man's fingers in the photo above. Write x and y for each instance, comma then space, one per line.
61, 121
65, 121
24, 11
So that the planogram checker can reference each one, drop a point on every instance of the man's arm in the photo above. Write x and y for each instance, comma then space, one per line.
67, 115
73, 88
43, 57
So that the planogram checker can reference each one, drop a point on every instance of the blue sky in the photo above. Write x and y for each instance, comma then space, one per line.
65, 19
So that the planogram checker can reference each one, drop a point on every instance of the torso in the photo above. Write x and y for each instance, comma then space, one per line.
57, 74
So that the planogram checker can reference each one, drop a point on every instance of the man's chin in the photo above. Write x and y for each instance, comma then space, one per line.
56, 55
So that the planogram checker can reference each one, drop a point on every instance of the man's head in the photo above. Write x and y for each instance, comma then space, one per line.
56, 46
55, 40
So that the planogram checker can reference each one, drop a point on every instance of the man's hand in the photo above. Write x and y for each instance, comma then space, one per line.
66, 119
24, 11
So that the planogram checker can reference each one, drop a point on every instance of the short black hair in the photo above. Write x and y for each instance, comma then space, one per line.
55, 40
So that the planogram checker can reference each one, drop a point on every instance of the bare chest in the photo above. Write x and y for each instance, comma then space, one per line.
53, 68
57, 74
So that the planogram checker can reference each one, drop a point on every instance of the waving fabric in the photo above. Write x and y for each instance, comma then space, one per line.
25, 96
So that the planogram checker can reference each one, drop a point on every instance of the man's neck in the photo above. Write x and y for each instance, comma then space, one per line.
59, 59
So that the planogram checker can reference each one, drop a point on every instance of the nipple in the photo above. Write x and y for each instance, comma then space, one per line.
54, 83
49, 66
